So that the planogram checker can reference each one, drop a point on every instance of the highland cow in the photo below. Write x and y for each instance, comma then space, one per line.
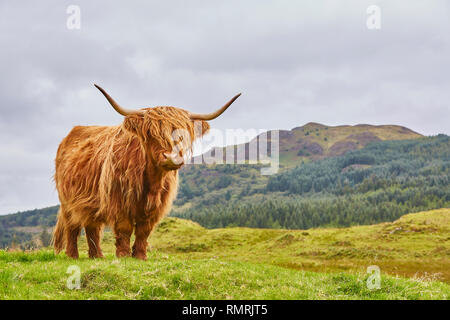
122, 176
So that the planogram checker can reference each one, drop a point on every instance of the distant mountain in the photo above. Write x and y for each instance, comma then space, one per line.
316, 141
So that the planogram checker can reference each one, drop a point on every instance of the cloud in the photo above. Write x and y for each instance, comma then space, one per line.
295, 62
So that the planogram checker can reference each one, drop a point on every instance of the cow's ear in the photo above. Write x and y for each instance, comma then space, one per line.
133, 123
201, 127
205, 127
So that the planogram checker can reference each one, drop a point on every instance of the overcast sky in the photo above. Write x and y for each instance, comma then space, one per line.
294, 61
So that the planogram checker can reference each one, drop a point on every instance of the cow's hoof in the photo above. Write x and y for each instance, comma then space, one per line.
122, 254
139, 256
72, 255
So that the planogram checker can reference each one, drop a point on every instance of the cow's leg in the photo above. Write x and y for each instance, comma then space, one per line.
72, 232
123, 230
93, 234
142, 231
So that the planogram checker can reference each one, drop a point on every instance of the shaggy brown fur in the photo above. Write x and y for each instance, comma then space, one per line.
115, 176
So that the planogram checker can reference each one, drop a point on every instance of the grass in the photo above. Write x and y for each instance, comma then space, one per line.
416, 245
187, 261
43, 275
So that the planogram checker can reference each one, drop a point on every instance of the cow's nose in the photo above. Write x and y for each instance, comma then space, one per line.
172, 161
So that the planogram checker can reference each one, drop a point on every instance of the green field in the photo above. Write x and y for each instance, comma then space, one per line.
187, 261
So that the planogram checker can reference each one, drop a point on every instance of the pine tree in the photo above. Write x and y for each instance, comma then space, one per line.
45, 238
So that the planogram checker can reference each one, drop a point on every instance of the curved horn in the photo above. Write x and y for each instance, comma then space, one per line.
211, 116
116, 106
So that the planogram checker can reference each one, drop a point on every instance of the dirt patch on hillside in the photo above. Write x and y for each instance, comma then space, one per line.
307, 148
364, 137
341, 147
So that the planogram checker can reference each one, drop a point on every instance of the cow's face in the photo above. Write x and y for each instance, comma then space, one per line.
167, 132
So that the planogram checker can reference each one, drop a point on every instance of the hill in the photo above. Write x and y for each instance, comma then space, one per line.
190, 262
316, 141
415, 245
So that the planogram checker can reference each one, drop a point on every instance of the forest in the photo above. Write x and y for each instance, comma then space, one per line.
9, 235
378, 183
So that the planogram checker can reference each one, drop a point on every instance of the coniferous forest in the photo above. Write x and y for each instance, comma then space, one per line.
378, 183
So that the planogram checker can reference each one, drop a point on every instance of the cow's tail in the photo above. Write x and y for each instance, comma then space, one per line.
58, 234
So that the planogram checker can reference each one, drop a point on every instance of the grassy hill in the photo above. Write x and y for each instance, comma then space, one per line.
415, 245
187, 261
